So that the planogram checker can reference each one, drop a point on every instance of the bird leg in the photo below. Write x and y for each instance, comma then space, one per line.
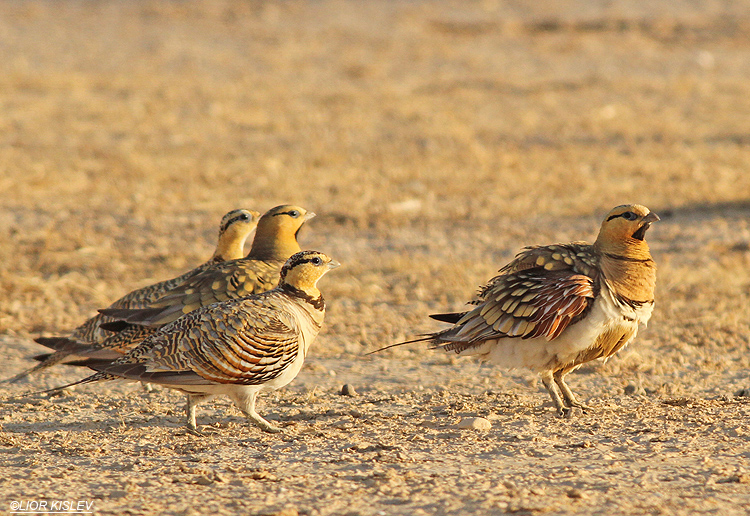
570, 398
192, 401
554, 391
246, 404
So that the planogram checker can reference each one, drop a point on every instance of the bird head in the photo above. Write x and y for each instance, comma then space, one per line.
276, 237
303, 270
234, 229
624, 230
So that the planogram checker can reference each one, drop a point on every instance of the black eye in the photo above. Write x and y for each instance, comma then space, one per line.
316, 261
629, 215
245, 216
294, 214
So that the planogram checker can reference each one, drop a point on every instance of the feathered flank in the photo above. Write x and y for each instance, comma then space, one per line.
238, 347
275, 241
554, 308
234, 229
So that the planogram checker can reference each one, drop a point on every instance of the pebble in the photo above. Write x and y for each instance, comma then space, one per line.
575, 493
475, 423
633, 389
348, 390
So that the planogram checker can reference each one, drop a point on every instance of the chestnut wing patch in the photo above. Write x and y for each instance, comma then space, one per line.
526, 304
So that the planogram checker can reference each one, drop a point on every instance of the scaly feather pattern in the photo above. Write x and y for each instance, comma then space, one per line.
275, 241
234, 229
237, 347
554, 308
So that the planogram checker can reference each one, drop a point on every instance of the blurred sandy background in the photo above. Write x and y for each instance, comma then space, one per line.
433, 140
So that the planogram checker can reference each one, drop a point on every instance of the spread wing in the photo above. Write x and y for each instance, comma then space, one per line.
249, 342
227, 280
539, 294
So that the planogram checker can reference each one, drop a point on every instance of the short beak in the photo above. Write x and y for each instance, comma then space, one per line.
333, 264
311, 214
640, 233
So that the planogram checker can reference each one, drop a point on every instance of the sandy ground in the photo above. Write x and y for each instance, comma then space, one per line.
433, 140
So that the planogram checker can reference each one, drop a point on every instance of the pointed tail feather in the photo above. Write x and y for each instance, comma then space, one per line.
66, 351
452, 318
97, 377
424, 338
139, 316
62, 344
85, 360
45, 360
114, 326
91, 363
42, 357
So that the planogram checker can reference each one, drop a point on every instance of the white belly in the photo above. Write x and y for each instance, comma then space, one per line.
539, 354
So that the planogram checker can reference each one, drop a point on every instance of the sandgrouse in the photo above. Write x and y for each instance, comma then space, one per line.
234, 229
554, 308
275, 241
238, 347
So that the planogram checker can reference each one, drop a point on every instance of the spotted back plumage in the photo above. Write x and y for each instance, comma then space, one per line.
546, 289
275, 241
234, 229
247, 341
540, 293
554, 308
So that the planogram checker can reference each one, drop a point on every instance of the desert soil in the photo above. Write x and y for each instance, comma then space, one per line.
433, 140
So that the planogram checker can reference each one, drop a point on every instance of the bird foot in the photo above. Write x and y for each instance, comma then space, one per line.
271, 429
194, 431
569, 412
574, 410
201, 433
264, 424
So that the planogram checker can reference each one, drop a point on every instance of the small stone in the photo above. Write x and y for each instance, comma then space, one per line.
575, 493
634, 389
475, 423
348, 390
262, 475
203, 480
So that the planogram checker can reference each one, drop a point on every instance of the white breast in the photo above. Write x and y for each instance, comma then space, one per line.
309, 321
539, 354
